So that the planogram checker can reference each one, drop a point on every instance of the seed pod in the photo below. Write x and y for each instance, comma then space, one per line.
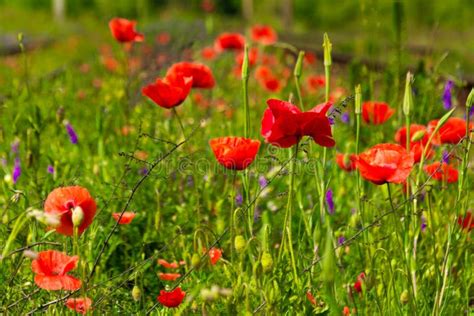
195, 260
77, 216
267, 262
404, 297
136, 293
239, 243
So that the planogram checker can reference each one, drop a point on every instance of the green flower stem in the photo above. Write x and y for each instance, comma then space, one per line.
232, 208
179, 121
287, 222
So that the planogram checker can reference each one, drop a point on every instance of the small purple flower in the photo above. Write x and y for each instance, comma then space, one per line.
239, 199
262, 182
71, 132
15, 146
143, 171
345, 117
447, 95
331, 119
341, 240
50, 169
330, 201
16, 170
423, 223
446, 157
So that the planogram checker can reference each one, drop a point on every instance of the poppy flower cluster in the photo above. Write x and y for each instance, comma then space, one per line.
419, 137
173, 89
284, 124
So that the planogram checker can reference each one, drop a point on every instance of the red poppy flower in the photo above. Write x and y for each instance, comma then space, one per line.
271, 84
316, 82
442, 172
126, 219
124, 30
346, 162
169, 92
51, 268
284, 125
264, 34
419, 137
231, 41
80, 305
452, 131
263, 72
62, 202
310, 298
358, 283
235, 153
385, 163
201, 74
169, 276
466, 222
310, 58
208, 53
376, 113
171, 298
214, 255
167, 265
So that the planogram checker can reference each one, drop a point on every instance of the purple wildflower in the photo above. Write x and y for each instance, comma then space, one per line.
16, 170
330, 201
447, 95
331, 119
446, 157
423, 223
71, 132
144, 171
239, 199
341, 240
262, 182
345, 117
50, 169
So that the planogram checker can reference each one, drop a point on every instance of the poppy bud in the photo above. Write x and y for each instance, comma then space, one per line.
136, 293
358, 100
267, 262
404, 297
470, 99
417, 136
77, 216
239, 243
195, 260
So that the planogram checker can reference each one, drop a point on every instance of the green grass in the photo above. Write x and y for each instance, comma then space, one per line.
185, 203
